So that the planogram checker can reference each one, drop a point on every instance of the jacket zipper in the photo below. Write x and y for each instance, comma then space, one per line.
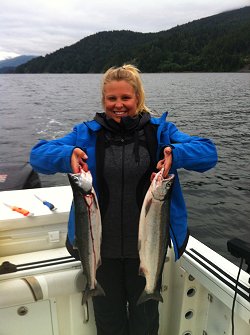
122, 196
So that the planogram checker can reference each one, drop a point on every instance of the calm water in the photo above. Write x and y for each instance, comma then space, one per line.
210, 105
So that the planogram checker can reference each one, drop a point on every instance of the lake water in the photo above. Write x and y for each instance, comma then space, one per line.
213, 105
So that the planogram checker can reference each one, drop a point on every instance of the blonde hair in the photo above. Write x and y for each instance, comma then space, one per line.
131, 75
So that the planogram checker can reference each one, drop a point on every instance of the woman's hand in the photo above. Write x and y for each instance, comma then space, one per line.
166, 162
78, 160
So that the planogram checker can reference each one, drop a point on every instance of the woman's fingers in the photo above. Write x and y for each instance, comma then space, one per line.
166, 162
78, 159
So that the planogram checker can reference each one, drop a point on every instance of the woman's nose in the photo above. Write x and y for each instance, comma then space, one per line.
118, 104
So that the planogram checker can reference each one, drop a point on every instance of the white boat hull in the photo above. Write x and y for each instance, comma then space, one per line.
43, 295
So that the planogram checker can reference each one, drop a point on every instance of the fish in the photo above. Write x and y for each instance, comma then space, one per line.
88, 230
153, 235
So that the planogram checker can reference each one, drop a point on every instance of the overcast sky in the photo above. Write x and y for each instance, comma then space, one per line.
39, 27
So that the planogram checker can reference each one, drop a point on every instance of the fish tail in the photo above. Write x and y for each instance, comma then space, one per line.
99, 290
148, 296
88, 293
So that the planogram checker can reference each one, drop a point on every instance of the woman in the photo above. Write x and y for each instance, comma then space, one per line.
123, 146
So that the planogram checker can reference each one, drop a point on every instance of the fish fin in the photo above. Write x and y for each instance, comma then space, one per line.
95, 199
148, 296
99, 290
141, 271
98, 263
88, 293
147, 207
74, 244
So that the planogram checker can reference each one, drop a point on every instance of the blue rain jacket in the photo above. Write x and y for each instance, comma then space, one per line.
189, 152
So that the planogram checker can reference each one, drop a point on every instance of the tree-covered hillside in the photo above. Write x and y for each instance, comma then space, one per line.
216, 43
9, 65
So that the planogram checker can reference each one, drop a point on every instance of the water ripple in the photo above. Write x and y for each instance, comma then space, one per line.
211, 105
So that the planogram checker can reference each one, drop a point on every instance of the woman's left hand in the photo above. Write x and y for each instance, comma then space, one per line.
166, 162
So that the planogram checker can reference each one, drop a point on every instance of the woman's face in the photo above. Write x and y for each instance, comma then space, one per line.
119, 100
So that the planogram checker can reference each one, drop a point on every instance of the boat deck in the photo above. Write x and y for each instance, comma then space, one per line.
43, 294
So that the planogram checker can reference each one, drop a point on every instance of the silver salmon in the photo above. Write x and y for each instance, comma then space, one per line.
154, 234
88, 230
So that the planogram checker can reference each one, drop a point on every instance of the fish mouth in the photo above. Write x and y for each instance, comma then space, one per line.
160, 185
161, 178
168, 181
169, 177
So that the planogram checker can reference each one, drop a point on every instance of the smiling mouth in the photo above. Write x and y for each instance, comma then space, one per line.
120, 113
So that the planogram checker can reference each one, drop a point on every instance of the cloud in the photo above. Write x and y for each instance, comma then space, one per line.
39, 27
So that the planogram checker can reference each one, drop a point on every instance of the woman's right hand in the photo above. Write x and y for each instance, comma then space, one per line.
78, 160
166, 162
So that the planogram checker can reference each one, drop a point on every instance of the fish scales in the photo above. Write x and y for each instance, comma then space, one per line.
154, 234
88, 230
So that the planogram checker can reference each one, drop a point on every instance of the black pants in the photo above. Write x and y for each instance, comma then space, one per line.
117, 312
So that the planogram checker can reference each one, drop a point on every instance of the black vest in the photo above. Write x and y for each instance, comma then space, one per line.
125, 161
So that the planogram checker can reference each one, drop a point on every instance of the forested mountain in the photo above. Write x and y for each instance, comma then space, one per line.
216, 43
9, 65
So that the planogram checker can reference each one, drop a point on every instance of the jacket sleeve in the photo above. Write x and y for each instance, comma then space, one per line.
53, 156
189, 152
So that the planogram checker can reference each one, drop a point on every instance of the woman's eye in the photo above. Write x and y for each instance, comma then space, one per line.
111, 98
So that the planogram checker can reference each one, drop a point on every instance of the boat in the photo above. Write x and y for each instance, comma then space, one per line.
41, 283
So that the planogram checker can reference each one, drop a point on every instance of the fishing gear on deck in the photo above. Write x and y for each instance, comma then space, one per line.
46, 203
20, 210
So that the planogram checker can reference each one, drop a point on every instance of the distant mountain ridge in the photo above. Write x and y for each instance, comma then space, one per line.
8, 65
217, 43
